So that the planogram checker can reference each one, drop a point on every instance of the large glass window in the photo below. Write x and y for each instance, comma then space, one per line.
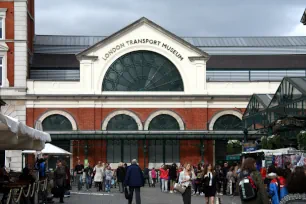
122, 150
56, 122
164, 151
225, 122
142, 71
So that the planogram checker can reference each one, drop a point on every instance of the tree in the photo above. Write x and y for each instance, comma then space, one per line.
272, 142
301, 139
234, 147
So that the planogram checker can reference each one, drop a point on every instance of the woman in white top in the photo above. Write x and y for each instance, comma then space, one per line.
98, 179
185, 179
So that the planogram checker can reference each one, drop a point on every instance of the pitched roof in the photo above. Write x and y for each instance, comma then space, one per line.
303, 19
136, 24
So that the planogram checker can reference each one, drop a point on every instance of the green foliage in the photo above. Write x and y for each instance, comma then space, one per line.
234, 147
301, 139
272, 142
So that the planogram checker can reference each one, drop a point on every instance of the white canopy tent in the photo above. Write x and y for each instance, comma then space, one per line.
275, 151
49, 149
15, 135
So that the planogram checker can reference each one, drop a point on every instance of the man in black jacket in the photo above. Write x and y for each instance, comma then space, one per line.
120, 176
173, 176
146, 176
134, 179
224, 172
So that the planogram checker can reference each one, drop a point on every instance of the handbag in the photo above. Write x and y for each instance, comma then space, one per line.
127, 193
180, 188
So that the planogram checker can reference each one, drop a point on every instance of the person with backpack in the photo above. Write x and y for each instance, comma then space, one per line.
277, 188
251, 186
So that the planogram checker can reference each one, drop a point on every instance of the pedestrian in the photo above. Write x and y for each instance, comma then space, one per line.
224, 171
198, 190
134, 180
164, 172
248, 170
288, 167
120, 176
108, 178
210, 182
79, 169
219, 178
296, 185
230, 181
67, 179
277, 188
153, 176
146, 176
59, 180
172, 176
186, 177
88, 175
98, 179
105, 166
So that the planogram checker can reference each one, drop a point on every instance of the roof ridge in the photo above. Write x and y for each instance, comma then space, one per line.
65, 35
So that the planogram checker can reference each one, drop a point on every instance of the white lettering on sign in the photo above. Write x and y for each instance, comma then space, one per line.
142, 41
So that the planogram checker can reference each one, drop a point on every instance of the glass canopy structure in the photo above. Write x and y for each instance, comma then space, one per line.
283, 112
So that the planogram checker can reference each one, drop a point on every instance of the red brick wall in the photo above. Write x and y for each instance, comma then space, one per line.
92, 119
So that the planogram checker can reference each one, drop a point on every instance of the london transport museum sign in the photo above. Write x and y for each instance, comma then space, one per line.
142, 41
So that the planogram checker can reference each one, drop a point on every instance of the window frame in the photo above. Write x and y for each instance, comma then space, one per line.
2, 19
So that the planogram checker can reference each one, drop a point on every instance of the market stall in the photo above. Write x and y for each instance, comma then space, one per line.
15, 135
52, 152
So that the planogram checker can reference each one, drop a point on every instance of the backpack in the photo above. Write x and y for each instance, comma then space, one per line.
247, 188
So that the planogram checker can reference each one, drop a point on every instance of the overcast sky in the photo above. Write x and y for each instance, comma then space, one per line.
182, 17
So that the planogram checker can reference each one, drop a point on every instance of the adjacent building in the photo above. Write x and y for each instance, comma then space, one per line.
16, 48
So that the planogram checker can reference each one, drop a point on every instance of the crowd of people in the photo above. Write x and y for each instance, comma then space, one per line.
276, 186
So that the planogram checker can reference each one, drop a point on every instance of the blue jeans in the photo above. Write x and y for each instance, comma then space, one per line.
108, 185
88, 182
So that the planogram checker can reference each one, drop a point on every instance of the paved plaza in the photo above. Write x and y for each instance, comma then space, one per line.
148, 196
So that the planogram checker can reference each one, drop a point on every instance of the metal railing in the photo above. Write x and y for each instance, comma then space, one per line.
251, 75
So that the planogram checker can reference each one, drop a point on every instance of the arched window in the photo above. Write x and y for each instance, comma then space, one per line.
56, 122
228, 122
225, 122
164, 151
142, 71
122, 150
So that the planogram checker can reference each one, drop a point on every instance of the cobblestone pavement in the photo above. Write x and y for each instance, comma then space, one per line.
148, 196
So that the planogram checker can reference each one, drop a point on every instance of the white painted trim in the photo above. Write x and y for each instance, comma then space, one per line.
222, 113
135, 104
122, 112
166, 112
5, 82
57, 112
3, 16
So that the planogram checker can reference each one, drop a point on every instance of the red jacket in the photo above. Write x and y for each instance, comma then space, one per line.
164, 173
